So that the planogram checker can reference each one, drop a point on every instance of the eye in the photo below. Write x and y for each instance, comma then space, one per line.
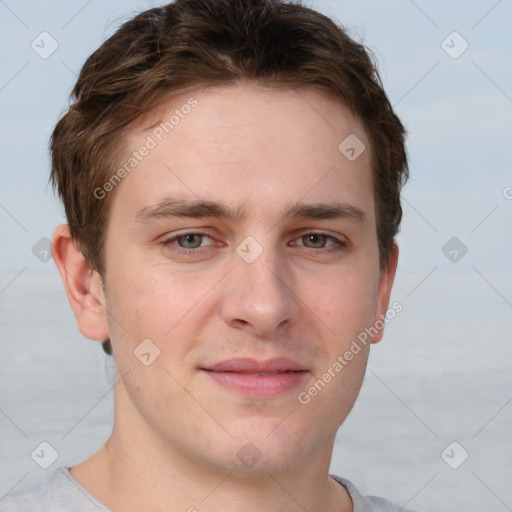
192, 243
190, 240
187, 243
319, 241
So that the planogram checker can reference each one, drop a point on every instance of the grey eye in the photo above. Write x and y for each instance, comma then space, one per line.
189, 241
317, 239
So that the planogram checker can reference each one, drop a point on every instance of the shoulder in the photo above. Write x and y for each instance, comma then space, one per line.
58, 493
30, 499
368, 503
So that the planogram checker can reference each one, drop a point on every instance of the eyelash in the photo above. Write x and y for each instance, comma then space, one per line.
338, 244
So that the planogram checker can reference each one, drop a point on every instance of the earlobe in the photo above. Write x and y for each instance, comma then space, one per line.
386, 279
82, 284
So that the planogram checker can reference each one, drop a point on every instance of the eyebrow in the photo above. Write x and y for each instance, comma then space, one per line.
174, 207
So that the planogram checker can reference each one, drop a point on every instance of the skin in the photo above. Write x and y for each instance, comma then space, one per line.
177, 432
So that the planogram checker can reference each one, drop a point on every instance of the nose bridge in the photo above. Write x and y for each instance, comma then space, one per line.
259, 294
263, 269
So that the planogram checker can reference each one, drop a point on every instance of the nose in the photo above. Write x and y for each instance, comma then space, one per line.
259, 295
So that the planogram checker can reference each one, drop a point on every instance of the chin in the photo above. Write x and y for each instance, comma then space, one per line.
260, 450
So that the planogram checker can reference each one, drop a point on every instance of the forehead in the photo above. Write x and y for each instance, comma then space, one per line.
220, 107
247, 144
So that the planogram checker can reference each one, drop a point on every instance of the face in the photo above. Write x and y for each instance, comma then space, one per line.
241, 261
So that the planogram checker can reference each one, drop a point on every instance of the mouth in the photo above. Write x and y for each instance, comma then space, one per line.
249, 365
257, 379
260, 373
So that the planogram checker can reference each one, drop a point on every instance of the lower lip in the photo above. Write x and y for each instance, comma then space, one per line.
259, 386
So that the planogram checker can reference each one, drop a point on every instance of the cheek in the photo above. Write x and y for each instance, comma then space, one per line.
155, 302
133, 302
346, 301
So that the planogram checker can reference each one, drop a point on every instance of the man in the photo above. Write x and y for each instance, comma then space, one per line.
231, 174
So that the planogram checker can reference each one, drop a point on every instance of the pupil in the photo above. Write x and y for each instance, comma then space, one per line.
189, 239
316, 238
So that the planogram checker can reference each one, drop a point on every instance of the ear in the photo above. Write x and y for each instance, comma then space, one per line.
84, 286
387, 276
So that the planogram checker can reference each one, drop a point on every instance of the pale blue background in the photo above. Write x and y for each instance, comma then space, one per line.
443, 371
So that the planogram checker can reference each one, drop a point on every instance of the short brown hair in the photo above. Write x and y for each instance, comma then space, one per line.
215, 42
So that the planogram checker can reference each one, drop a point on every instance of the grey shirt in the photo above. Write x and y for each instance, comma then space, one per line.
62, 493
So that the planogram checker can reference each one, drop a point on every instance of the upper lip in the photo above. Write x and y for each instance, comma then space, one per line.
248, 365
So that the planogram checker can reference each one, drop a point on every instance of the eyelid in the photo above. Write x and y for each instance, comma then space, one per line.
168, 240
298, 234
338, 239
340, 242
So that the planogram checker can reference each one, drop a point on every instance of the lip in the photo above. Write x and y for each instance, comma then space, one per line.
248, 365
258, 379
